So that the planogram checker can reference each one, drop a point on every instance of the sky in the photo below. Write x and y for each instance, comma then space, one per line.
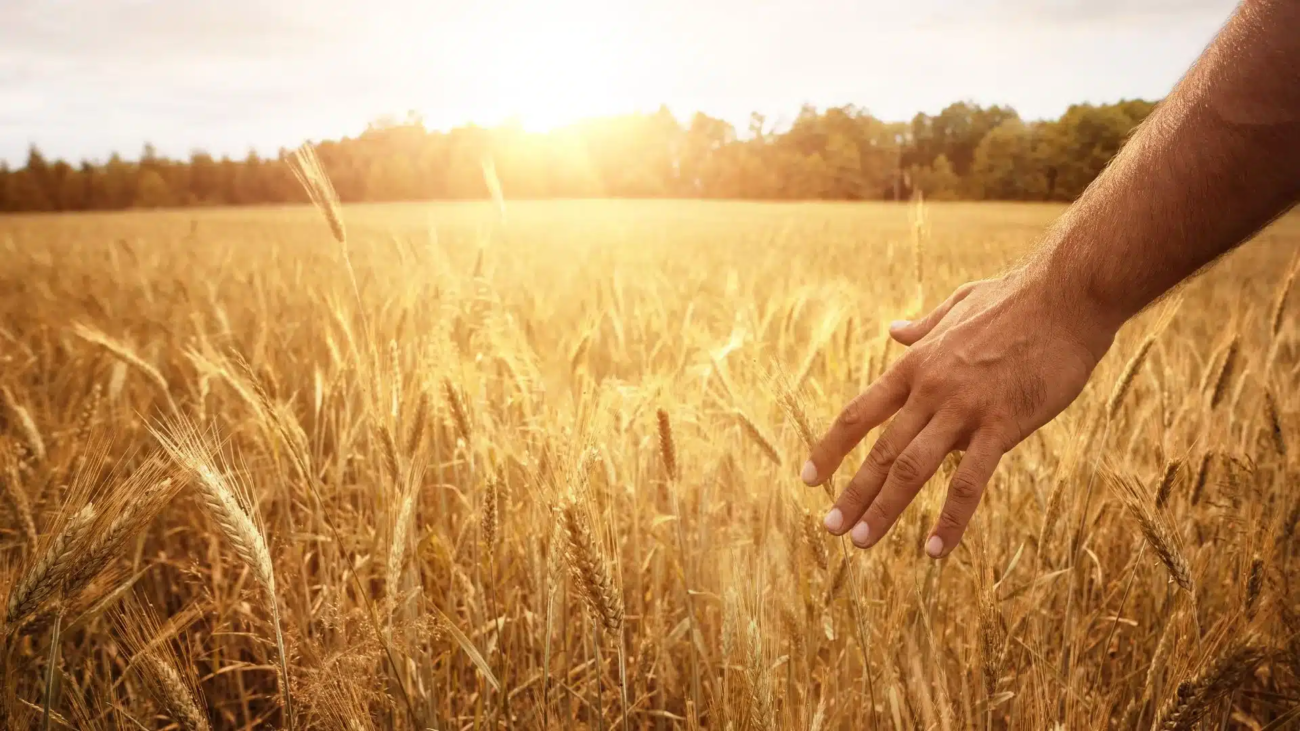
85, 78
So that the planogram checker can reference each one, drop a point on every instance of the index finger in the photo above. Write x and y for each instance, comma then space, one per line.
865, 412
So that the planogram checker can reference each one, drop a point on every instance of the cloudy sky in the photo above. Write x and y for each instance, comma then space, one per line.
83, 78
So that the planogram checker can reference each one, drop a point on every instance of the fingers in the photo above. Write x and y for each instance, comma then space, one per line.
910, 471
865, 485
864, 413
908, 333
964, 493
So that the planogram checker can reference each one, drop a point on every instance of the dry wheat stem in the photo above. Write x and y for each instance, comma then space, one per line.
226, 502
1155, 527
1222, 675
590, 572
45, 576
127, 356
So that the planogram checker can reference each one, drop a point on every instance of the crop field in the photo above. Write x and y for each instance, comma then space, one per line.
534, 465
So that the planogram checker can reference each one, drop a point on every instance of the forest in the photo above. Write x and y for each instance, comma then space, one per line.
966, 152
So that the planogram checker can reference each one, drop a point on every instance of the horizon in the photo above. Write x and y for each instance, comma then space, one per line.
87, 80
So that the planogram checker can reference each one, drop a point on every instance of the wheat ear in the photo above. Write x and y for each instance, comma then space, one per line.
26, 425
589, 570
127, 356
228, 503
45, 576
1224, 674
756, 435
1155, 528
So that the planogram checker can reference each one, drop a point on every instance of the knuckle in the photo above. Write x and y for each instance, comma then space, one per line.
964, 489
949, 521
928, 386
853, 413
1003, 433
881, 457
907, 468
855, 493
878, 513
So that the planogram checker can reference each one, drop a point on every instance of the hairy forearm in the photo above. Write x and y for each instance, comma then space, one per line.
1216, 161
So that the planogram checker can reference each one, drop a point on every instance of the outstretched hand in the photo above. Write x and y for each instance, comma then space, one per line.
995, 361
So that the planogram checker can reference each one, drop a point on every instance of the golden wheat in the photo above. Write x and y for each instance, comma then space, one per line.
430, 431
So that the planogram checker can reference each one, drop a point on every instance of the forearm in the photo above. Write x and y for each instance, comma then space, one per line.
1216, 161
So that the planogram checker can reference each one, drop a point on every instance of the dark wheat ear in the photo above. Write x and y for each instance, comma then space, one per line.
1222, 376
667, 445
1155, 527
62, 556
171, 681
589, 568
1225, 672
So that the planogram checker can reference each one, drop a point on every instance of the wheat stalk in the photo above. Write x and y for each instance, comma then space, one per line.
1231, 667
1280, 302
1155, 527
45, 576
756, 435
307, 168
26, 425
1254, 584
1223, 376
228, 503
1126, 376
488, 523
1167, 479
128, 356
1202, 476
667, 446
401, 531
837, 582
459, 411
812, 536
418, 419
1274, 421
14, 489
133, 504
154, 658
589, 570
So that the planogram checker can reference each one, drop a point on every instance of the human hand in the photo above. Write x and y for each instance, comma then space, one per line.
995, 361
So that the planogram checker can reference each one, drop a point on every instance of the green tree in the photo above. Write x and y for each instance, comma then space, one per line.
1079, 145
938, 181
74, 188
152, 191
1008, 165
26, 192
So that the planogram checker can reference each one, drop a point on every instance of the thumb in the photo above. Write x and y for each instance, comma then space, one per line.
909, 332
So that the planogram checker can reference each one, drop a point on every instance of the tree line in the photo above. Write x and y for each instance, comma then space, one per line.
965, 152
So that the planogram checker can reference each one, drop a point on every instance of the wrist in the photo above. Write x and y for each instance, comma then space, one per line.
1071, 303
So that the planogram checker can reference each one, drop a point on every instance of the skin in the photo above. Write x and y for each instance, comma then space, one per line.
1215, 163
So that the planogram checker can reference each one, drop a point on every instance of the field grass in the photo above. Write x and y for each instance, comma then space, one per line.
532, 470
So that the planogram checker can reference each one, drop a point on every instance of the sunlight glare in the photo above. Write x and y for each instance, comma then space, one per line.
547, 65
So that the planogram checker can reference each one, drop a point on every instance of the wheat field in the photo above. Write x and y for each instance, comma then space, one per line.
535, 465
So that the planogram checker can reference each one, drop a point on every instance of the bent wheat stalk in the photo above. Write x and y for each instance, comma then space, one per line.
228, 503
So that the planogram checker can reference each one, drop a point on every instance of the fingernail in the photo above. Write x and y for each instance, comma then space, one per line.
834, 521
934, 547
861, 532
809, 473
899, 324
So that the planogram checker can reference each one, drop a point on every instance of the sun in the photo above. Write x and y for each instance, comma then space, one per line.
546, 67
